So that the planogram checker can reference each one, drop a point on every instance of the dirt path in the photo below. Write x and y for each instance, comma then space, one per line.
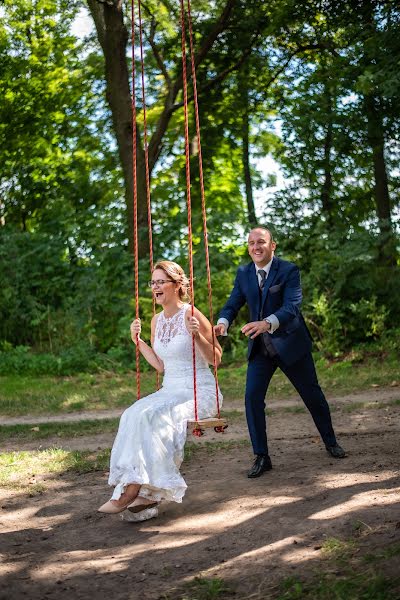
250, 533
294, 424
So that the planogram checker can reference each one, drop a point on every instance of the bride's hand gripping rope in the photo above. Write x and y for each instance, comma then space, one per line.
136, 329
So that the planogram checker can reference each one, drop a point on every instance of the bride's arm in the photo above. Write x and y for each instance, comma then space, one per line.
144, 348
200, 327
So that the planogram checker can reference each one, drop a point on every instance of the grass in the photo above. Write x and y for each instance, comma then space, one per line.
51, 395
20, 470
343, 577
346, 577
368, 585
393, 550
92, 392
201, 588
74, 429
354, 406
338, 549
69, 430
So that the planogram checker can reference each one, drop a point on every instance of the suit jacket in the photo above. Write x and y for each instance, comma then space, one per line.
282, 297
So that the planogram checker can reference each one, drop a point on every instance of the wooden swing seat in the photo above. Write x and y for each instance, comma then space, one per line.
208, 423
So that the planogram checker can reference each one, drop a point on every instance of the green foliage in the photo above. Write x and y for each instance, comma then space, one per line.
16, 468
202, 588
72, 360
67, 279
115, 388
52, 163
61, 430
362, 586
348, 297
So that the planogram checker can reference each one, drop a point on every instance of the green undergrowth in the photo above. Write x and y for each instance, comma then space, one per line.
345, 573
74, 429
367, 585
202, 588
348, 573
21, 395
42, 431
19, 470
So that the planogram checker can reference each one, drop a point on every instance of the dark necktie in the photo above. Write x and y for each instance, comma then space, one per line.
262, 274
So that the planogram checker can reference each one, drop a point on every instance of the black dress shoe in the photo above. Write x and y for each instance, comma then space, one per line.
261, 464
336, 451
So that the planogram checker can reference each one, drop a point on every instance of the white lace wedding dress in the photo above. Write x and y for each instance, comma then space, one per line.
149, 445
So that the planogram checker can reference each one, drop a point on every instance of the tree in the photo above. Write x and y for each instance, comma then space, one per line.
53, 166
113, 37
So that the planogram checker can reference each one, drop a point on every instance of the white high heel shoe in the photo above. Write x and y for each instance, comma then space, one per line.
111, 508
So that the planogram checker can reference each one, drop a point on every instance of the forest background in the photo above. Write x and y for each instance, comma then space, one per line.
313, 84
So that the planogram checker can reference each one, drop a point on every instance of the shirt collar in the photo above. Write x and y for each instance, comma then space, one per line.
266, 268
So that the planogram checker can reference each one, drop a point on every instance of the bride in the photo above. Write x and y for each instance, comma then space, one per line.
148, 449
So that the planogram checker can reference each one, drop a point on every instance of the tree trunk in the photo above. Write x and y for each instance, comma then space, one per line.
376, 139
387, 253
244, 94
113, 38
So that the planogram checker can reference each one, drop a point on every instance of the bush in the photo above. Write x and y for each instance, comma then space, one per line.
22, 361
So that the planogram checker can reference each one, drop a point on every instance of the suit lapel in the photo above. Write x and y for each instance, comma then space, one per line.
270, 279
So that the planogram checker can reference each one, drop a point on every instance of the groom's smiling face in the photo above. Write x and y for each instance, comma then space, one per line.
261, 247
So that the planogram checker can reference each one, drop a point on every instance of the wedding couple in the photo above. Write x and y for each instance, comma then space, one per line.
148, 449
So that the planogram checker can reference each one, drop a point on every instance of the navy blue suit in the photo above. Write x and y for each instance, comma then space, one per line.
290, 347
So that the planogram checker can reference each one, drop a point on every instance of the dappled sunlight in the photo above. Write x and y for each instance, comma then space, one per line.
225, 516
362, 500
80, 563
258, 554
31, 514
74, 401
10, 568
339, 480
300, 553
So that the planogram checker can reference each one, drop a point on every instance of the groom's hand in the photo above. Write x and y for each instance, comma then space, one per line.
220, 329
255, 328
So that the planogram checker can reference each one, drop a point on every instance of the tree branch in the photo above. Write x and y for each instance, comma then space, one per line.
154, 145
221, 75
157, 54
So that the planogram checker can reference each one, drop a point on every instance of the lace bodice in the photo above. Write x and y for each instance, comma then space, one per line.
173, 344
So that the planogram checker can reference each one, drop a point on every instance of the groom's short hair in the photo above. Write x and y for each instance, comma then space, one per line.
264, 229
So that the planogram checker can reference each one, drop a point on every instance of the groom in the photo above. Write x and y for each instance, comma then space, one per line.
278, 337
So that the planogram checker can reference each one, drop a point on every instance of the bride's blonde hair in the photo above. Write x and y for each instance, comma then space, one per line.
177, 274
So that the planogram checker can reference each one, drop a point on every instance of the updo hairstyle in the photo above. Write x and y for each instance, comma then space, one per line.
177, 274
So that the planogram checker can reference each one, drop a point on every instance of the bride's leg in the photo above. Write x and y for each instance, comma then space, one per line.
128, 495
115, 506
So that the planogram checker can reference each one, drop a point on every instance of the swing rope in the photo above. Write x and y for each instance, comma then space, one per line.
197, 429
203, 203
135, 193
189, 207
146, 158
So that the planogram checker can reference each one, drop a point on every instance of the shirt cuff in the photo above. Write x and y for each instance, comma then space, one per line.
274, 322
225, 322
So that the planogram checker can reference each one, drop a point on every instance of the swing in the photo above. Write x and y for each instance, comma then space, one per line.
199, 425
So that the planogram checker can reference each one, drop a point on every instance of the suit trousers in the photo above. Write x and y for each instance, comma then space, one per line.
303, 377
